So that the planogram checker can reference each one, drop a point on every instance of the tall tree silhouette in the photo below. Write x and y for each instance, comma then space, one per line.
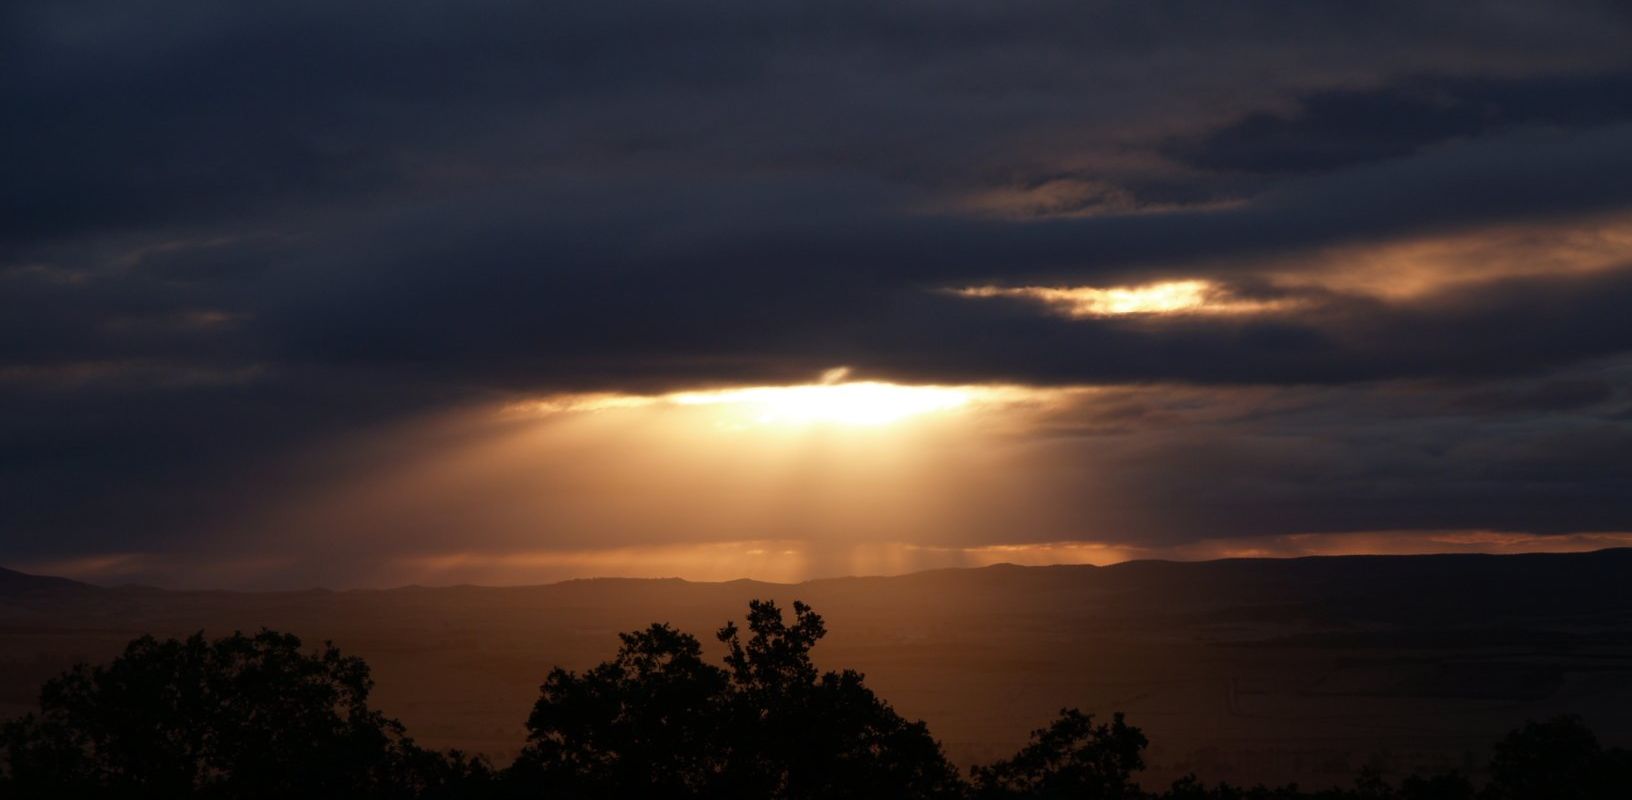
659, 721
240, 716
807, 735
650, 722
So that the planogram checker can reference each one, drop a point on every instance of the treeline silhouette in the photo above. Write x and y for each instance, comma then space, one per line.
259, 717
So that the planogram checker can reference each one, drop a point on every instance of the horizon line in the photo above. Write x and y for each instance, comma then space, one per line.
820, 579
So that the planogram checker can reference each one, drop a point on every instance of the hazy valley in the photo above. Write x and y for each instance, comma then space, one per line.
1240, 670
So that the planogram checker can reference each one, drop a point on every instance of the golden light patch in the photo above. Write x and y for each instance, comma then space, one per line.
833, 401
1167, 297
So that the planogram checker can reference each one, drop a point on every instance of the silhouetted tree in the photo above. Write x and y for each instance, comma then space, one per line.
658, 721
237, 717
649, 722
1072, 758
1559, 759
800, 734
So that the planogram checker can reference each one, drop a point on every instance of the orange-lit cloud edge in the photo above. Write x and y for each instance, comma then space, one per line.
1394, 271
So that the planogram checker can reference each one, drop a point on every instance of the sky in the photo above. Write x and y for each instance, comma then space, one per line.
374, 293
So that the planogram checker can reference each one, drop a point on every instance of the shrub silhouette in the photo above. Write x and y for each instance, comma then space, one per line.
658, 721
1072, 758
1559, 759
258, 717
237, 717
1449, 786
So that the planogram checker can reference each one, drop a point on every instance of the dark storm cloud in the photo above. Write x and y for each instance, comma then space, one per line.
1343, 127
1384, 460
1390, 456
664, 277
231, 233
693, 288
120, 118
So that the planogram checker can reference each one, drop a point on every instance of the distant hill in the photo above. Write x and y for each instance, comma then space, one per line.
1572, 577
1454, 591
13, 583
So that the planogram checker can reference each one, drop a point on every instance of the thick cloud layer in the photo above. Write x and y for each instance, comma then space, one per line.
232, 237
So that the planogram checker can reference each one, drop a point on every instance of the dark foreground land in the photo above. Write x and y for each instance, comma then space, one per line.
1245, 670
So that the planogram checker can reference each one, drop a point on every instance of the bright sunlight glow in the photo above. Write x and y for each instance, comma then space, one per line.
860, 403
835, 400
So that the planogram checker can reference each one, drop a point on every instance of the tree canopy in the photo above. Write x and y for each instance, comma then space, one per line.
657, 720
241, 716
1071, 758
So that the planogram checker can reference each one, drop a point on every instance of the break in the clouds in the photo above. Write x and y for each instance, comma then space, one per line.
1207, 273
